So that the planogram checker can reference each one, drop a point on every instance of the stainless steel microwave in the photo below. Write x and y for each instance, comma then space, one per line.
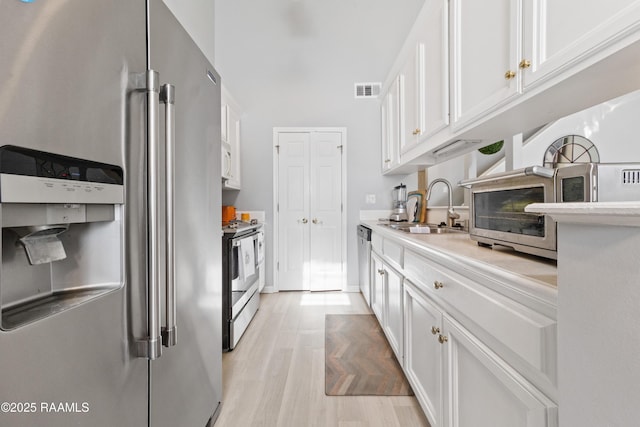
497, 215
598, 182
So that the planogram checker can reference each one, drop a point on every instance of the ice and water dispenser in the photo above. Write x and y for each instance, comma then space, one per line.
62, 233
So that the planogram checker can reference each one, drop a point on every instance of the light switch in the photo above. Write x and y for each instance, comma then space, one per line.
370, 199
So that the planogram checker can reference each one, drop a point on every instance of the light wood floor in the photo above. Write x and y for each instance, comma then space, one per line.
275, 376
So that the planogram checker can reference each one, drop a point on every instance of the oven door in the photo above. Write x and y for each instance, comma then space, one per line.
498, 216
244, 271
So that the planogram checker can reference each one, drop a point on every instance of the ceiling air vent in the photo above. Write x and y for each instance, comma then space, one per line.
367, 90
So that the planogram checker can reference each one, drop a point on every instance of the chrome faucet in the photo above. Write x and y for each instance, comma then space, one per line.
451, 214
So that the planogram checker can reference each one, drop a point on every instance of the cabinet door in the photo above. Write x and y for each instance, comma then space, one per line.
483, 390
233, 138
558, 34
433, 66
393, 327
377, 287
224, 123
226, 160
410, 111
485, 54
423, 352
391, 127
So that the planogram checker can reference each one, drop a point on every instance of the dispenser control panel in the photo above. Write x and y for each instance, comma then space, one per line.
30, 176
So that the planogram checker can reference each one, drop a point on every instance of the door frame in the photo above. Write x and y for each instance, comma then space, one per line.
276, 197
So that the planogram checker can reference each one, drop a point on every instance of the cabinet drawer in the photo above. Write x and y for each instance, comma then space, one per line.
513, 326
393, 252
376, 242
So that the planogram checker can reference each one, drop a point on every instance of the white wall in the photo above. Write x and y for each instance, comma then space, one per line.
360, 117
197, 17
283, 67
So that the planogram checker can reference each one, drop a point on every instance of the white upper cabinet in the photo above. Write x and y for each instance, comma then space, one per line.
514, 65
485, 52
390, 118
424, 80
559, 34
230, 134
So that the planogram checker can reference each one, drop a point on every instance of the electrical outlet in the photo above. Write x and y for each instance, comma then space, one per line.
370, 199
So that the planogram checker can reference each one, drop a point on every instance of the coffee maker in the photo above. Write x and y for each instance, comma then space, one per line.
399, 212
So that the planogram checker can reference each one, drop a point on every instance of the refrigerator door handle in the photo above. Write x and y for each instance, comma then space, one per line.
169, 331
151, 347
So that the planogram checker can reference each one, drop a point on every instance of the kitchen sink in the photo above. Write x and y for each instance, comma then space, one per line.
434, 228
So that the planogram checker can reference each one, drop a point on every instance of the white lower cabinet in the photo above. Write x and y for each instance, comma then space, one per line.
378, 285
483, 390
393, 327
387, 304
458, 380
473, 356
423, 352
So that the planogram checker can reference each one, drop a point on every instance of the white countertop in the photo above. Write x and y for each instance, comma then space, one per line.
603, 213
495, 262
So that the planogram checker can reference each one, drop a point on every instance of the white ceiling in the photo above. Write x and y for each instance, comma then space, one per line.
275, 47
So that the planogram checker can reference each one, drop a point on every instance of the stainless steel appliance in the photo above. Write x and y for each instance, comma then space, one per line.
497, 215
110, 282
399, 211
242, 254
364, 261
598, 182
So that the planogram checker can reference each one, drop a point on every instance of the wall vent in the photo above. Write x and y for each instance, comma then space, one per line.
631, 176
367, 90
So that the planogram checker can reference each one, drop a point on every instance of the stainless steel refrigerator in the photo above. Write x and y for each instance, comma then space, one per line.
110, 281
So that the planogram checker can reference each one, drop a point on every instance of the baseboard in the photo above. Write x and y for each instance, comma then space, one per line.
268, 289
352, 288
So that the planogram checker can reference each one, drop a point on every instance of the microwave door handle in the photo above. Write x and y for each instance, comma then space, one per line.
169, 331
151, 346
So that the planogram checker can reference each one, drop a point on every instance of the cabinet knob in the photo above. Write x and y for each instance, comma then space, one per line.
438, 285
434, 330
416, 132
315, 220
305, 220
525, 63
442, 339
509, 75
381, 271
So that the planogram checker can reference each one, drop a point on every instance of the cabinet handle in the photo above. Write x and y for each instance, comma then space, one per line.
387, 161
416, 132
434, 330
509, 75
438, 285
525, 63
442, 339
381, 271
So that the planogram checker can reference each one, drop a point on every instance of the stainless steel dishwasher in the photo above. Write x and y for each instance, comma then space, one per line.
364, 261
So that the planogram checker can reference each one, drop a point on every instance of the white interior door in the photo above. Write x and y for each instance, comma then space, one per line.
325, 203
309, 210
293, 211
